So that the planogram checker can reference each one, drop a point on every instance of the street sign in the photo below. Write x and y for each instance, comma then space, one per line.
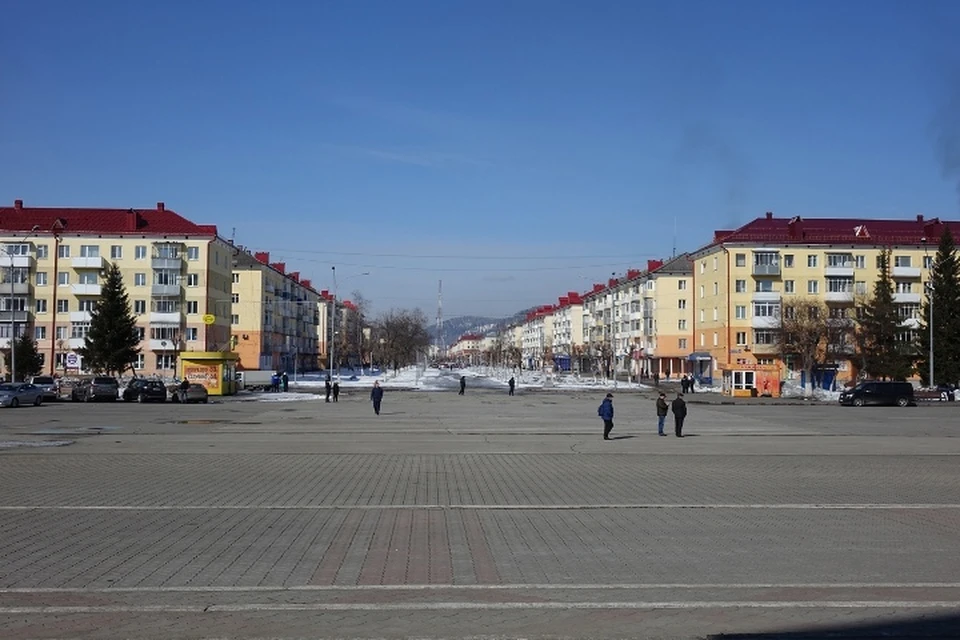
73, 360
209, 318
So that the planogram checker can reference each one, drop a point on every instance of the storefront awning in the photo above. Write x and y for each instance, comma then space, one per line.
700, 355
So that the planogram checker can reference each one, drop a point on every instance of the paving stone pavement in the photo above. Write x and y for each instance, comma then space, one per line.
478, 516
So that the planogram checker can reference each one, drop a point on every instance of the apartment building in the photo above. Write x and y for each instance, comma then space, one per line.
537, 340
567, 330
275, 317
468, 349
177, 274
662, 302
741, 279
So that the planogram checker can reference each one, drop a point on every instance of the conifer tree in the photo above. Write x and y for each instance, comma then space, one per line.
112, 342
885, 352
29, 360
944, 292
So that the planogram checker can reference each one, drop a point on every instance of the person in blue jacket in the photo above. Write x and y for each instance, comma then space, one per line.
605, 411
376, 396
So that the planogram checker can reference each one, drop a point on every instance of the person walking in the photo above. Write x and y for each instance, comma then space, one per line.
275, 382
679, 408
605, 411
662, 410
512, 383
184, 385
328, 388
463, 385
336, 392
376, 396
285, 381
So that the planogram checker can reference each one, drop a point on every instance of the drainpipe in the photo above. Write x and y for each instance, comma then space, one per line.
53, 311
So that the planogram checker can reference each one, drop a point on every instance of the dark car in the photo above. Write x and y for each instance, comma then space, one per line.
145, 391
877, 392
99, 388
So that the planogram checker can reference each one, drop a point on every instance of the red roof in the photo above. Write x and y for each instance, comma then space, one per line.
797, 230
159, 221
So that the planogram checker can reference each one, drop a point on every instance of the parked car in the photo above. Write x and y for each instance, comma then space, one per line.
49, 386
143, 390
15, 394
877, 392
194, 393
99, 388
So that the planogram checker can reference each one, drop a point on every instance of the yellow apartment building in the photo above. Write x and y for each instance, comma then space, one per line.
275, 317
741, 280
176, 273
667, 317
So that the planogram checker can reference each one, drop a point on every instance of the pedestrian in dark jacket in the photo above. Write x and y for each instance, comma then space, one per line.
662, 409
376, 397
328, 388
463, 385
679, 408
336, 392
605, 411
512, 383
285, 381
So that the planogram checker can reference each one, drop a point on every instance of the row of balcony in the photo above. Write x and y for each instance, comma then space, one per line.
837, 271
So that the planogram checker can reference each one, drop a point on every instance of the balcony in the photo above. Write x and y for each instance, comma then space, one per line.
165, 290
765, 322
19, 261
17, 289
18, 316
765, 296
79, 316
907, 298
166, 317
838, 296
911, 323
76, 343
164, 345
167, 263
905, 272
765, 349
844, 270
88, 262
85, 289
766, 269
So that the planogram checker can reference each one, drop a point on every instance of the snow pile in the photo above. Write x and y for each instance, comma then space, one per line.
793, 389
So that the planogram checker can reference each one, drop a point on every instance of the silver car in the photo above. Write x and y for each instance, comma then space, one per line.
48, 385
15, 394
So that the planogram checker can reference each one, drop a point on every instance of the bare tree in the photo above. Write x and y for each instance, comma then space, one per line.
814, 333
403, 335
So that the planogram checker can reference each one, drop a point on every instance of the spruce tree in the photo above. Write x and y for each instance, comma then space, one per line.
944, 292
29, 360
886, 354
112, 342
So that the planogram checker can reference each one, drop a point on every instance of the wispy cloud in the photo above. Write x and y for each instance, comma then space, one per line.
404, 114
417, 157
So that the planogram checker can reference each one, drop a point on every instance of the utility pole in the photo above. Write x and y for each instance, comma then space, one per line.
333, 323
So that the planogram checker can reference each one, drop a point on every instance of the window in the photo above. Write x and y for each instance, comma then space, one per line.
903, 287
716, 288
740, 286
116, 252
141, 333
64, 251
193, 253
859, 262
41, 306
927, 262
716, 315
813, 286
764, 286
89, 251
139, 307
43, 251
844, 260
63, 278
716, 262
681, 324
681, 285
682, 343
766, 259
40, 333
141, 361
235, 298
192, 334
79, 329
234, 319
789, 286
812, 260
88, 277
702, 316
901, 261
193, 279
236, 277
839, 285
702, 339
766, 310
740, 312
140, 279
41, 278
716, 338
140, 252
87, 305
701, 291
860, 287
741, 338
63, 306
703, 266
681, 304
193, 306
764, 337
740, 259
166, 361
788, 260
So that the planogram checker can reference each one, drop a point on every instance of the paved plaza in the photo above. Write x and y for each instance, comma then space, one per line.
479, 516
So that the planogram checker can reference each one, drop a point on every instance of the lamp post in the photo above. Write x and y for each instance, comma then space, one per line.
930, 291
333, 315
13, 316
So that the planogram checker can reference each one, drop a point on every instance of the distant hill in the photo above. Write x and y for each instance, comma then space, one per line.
453, 328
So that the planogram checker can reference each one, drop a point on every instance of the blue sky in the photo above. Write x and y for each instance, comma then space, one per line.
516, 150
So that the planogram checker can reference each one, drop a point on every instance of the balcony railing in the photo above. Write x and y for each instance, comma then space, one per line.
88, 262
165, 290
85, 289
905, 272
766, 269
18, 316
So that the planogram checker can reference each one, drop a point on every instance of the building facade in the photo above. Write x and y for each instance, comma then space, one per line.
177, 275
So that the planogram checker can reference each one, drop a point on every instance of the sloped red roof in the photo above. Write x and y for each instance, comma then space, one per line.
861, 231
158, 221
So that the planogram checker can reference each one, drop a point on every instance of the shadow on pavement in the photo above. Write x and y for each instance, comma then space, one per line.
927, 626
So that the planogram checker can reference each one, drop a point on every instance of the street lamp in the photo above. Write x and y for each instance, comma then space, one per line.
333, 316
930, 291
13, 316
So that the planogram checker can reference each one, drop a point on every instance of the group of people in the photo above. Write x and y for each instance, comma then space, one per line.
334, 388
279, 381
686, 384
678, 407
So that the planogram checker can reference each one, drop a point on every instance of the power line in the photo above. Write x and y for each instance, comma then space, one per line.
456, 256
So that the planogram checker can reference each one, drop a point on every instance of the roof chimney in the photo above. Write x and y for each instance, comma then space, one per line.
161, 206
919, 217
769, 215
18, 204
133, 220
262, 256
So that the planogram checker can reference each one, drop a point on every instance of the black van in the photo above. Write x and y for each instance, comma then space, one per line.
879, 393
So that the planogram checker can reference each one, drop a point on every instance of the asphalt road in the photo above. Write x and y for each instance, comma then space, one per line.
477, 516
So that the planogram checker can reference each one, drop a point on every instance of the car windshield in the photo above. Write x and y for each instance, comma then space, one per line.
103, 381
8, 387
43, 381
